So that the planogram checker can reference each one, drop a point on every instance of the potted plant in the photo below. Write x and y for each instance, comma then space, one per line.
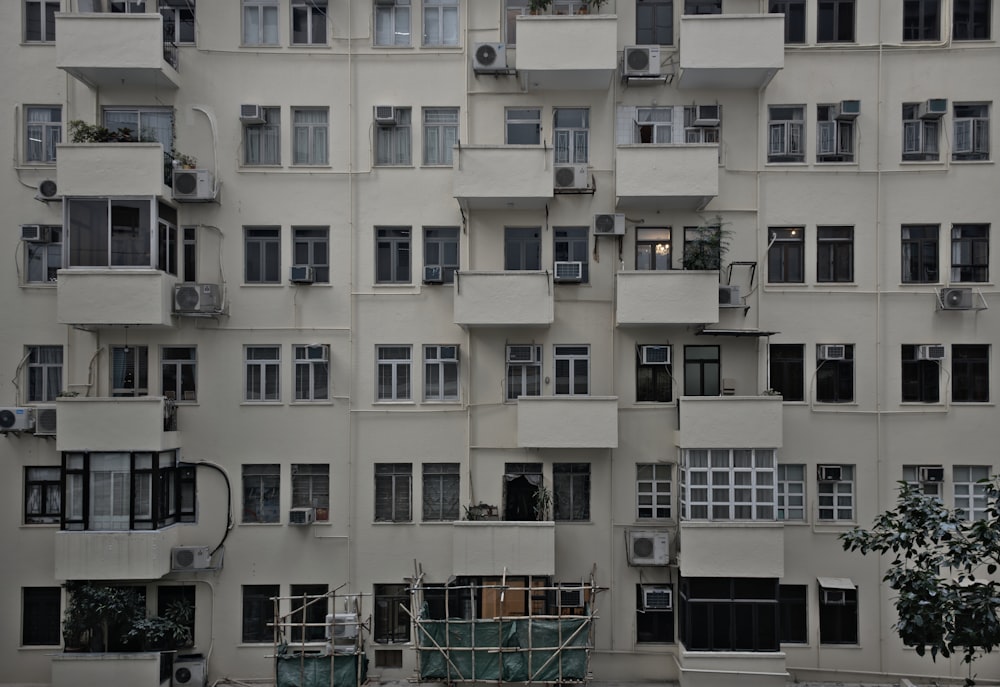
706, 250
539, 6
185, 161
81, 132
543, 501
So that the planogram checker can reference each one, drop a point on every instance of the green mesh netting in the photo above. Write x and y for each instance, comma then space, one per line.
297, 670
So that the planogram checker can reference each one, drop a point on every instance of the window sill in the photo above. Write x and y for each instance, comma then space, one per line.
971, 162
38, 525
437, 166
392, 47
840, 646
442, 46
836, 163
41, 647
386, 523
573, 522
258, 285
389, 402
272, 46
261, 403
262, 524
39, 285
656, 404
390, 166
31, 43
833, 526
799, 163
306, 403
936, 163
307, 46
922, 404
306, 166
457, 402
259, 168
786, 285
981, 404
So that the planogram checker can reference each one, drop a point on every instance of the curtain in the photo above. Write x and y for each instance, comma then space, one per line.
109, 491
310, 137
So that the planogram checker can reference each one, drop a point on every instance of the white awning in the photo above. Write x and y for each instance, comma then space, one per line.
836, 583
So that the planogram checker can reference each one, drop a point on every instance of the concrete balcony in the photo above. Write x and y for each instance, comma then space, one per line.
732, 549
127, 555
731, 50
674, 177
731, 668
502, 177
111, 169
487, 547
569, 53
730, 422
114, 297
567, 422
108, 51
504, 299
667, 297
134, 423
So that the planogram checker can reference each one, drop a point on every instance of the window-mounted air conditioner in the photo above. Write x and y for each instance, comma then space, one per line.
190, 558
568, 177
657, 598
609, 224
641, 60
707, 115
193, 185
524, 353
930, 352
828, 473
385, 115
342, 627
930, 473
433, 274
935, 108
190, 670
301, 274
489, 57
47, 190
447, 352
832, 352
834, 597
566, 271
648, 547
34, 233
729, 296
955, 298
197, 298
15, 419
570, 595
301, 516
848, 109
654, 355
252, 114
45, 420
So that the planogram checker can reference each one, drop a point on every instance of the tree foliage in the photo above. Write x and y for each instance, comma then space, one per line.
942, 571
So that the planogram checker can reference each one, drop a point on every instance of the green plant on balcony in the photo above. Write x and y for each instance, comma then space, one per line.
480, 511
543, 503
81, 132
706, 249
184, 161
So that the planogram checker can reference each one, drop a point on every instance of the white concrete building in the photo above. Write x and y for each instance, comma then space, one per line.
432, 255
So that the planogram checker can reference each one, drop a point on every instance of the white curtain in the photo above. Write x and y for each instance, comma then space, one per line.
310, 137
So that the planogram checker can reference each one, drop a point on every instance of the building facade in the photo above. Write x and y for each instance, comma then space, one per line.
307, 295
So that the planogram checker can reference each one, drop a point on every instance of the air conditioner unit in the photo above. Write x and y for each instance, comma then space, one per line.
930, 352
45, 420
190, 558
433, 274
570, 595
526, 353
610, 224
47, 190
832, 352
193, 184
571, 177
834, 597
657, 598
654, 355
16, 419
301, 274
342, 627
35, 233
301, 516
641, 60
935, 108
197, 298
729, 297
190, 671
828, 473
848, 109
385, 115
955, 298
648, 547
930, 473
707, 115
567, 271
252, 114
489, 57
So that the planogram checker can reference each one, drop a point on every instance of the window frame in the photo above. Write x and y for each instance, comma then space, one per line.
836, 501
258, 613
440, 492
44, 258
653, 485
786, 134
791, 367
43, 377
838, 623
661, 11
921, 20
522, 249
184, 373
520, 121
179, 18
394, 10
439, 371
977, 24
440, 136
312, 372
572, 244
654, 382
308, 611
43, 497
834, 137
49, 133
835, 254
920, 253
571, 139
729, 614
712, 490
970, 373
314, 13
795, 26
652, 253
394, 141
786, 255
393, 492
970, 132
442, 242
317, 137
47, 10
311, 248
123, 361
393, 255
116, 232
970, 253
262, 142
793, 613
790, 493
260, 490
835, 30
968, 492
390, 624
921, 136
440, 21
310, 483
835, 378
41, 616
528, 385
260, 373
400, 371
261, 255
265, 10
571, 357
920, 379
571, 492
709, 371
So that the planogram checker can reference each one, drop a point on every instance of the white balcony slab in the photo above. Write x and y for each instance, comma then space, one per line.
664, 176
567, 421
649, 297
504, 299
115, 297
731, 50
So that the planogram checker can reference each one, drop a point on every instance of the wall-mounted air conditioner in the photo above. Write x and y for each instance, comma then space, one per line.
489, 57
828, 473
524, 353
831, 352
301, 274
707, 115
252, 114
45, 420
641, 60
611, 224
193, 185
570, 595
190, 671
15, 419
342, 628
301, 516
648, 547
35, 233
729, 296
935, 108
654, 355
834, 597
955, 298
47, 190
930, 473
657, 598
385, 115
930, 352
565, 271
569, 177
848, 109
433, 274
190, 558
197, 298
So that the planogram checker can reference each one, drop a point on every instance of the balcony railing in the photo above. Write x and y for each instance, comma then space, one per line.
489, 547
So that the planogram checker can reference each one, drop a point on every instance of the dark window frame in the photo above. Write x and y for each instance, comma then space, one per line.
795, 19
970, 373
42, 495
440, 491
262, 255
970, 253
522, 249
786, 255
393, 255
571, 492
653, 625
835, 378
921, 379
572, 244
921, 20
261, 492
391, 624
836, 21
41, 616
971, 20
442, 243
308, 615
787, 370
654, 22
701, 383
838, 623
729, 614
920, 253
393, 492
258, 613
793, 613
835, 254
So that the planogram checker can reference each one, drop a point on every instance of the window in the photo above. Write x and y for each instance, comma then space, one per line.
524, 371
43, 260
653, 125
652, 491
920, 135
441, 492
786, 255
189, 254
522, 248
654, 378
392, 255
392, 141
441, 25
835, 373
310, 604
703, 247
786, 133
309, 22
700, 132
571, 244
120, 233
126, 6
441, 373
523, 125
393, 373
970, 373
787, 366
652, 248
41, 617
312, 372
261, 493
971, 20
139, 124
836, 495
441, 249
911, 475
262, 365
835, 254
440, 134
920, 253
970, 253
262, 142
921, 378
392, 22
178, 21
311, 248
178, 372
571, 491
834, 135
521, 485
702, 6
729, 614
571, 134
791, 492
392, 623
260, 22
392, 492
309, 136
795, 18
792, 613
258, 613
838, 615
921, 20
572, 364
40, 21
171, 596
262, 246
972, 132
970, 495
129, 370
512, 10
654, 621
701, 371
728, 484
654, 22
835, 21
44, 370
311, 489
42, 496
43, 132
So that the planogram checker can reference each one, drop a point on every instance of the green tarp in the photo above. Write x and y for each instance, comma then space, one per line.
306, 670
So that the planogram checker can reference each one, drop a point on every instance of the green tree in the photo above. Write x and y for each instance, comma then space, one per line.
942, 571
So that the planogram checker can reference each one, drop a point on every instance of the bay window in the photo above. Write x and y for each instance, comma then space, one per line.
119, 232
